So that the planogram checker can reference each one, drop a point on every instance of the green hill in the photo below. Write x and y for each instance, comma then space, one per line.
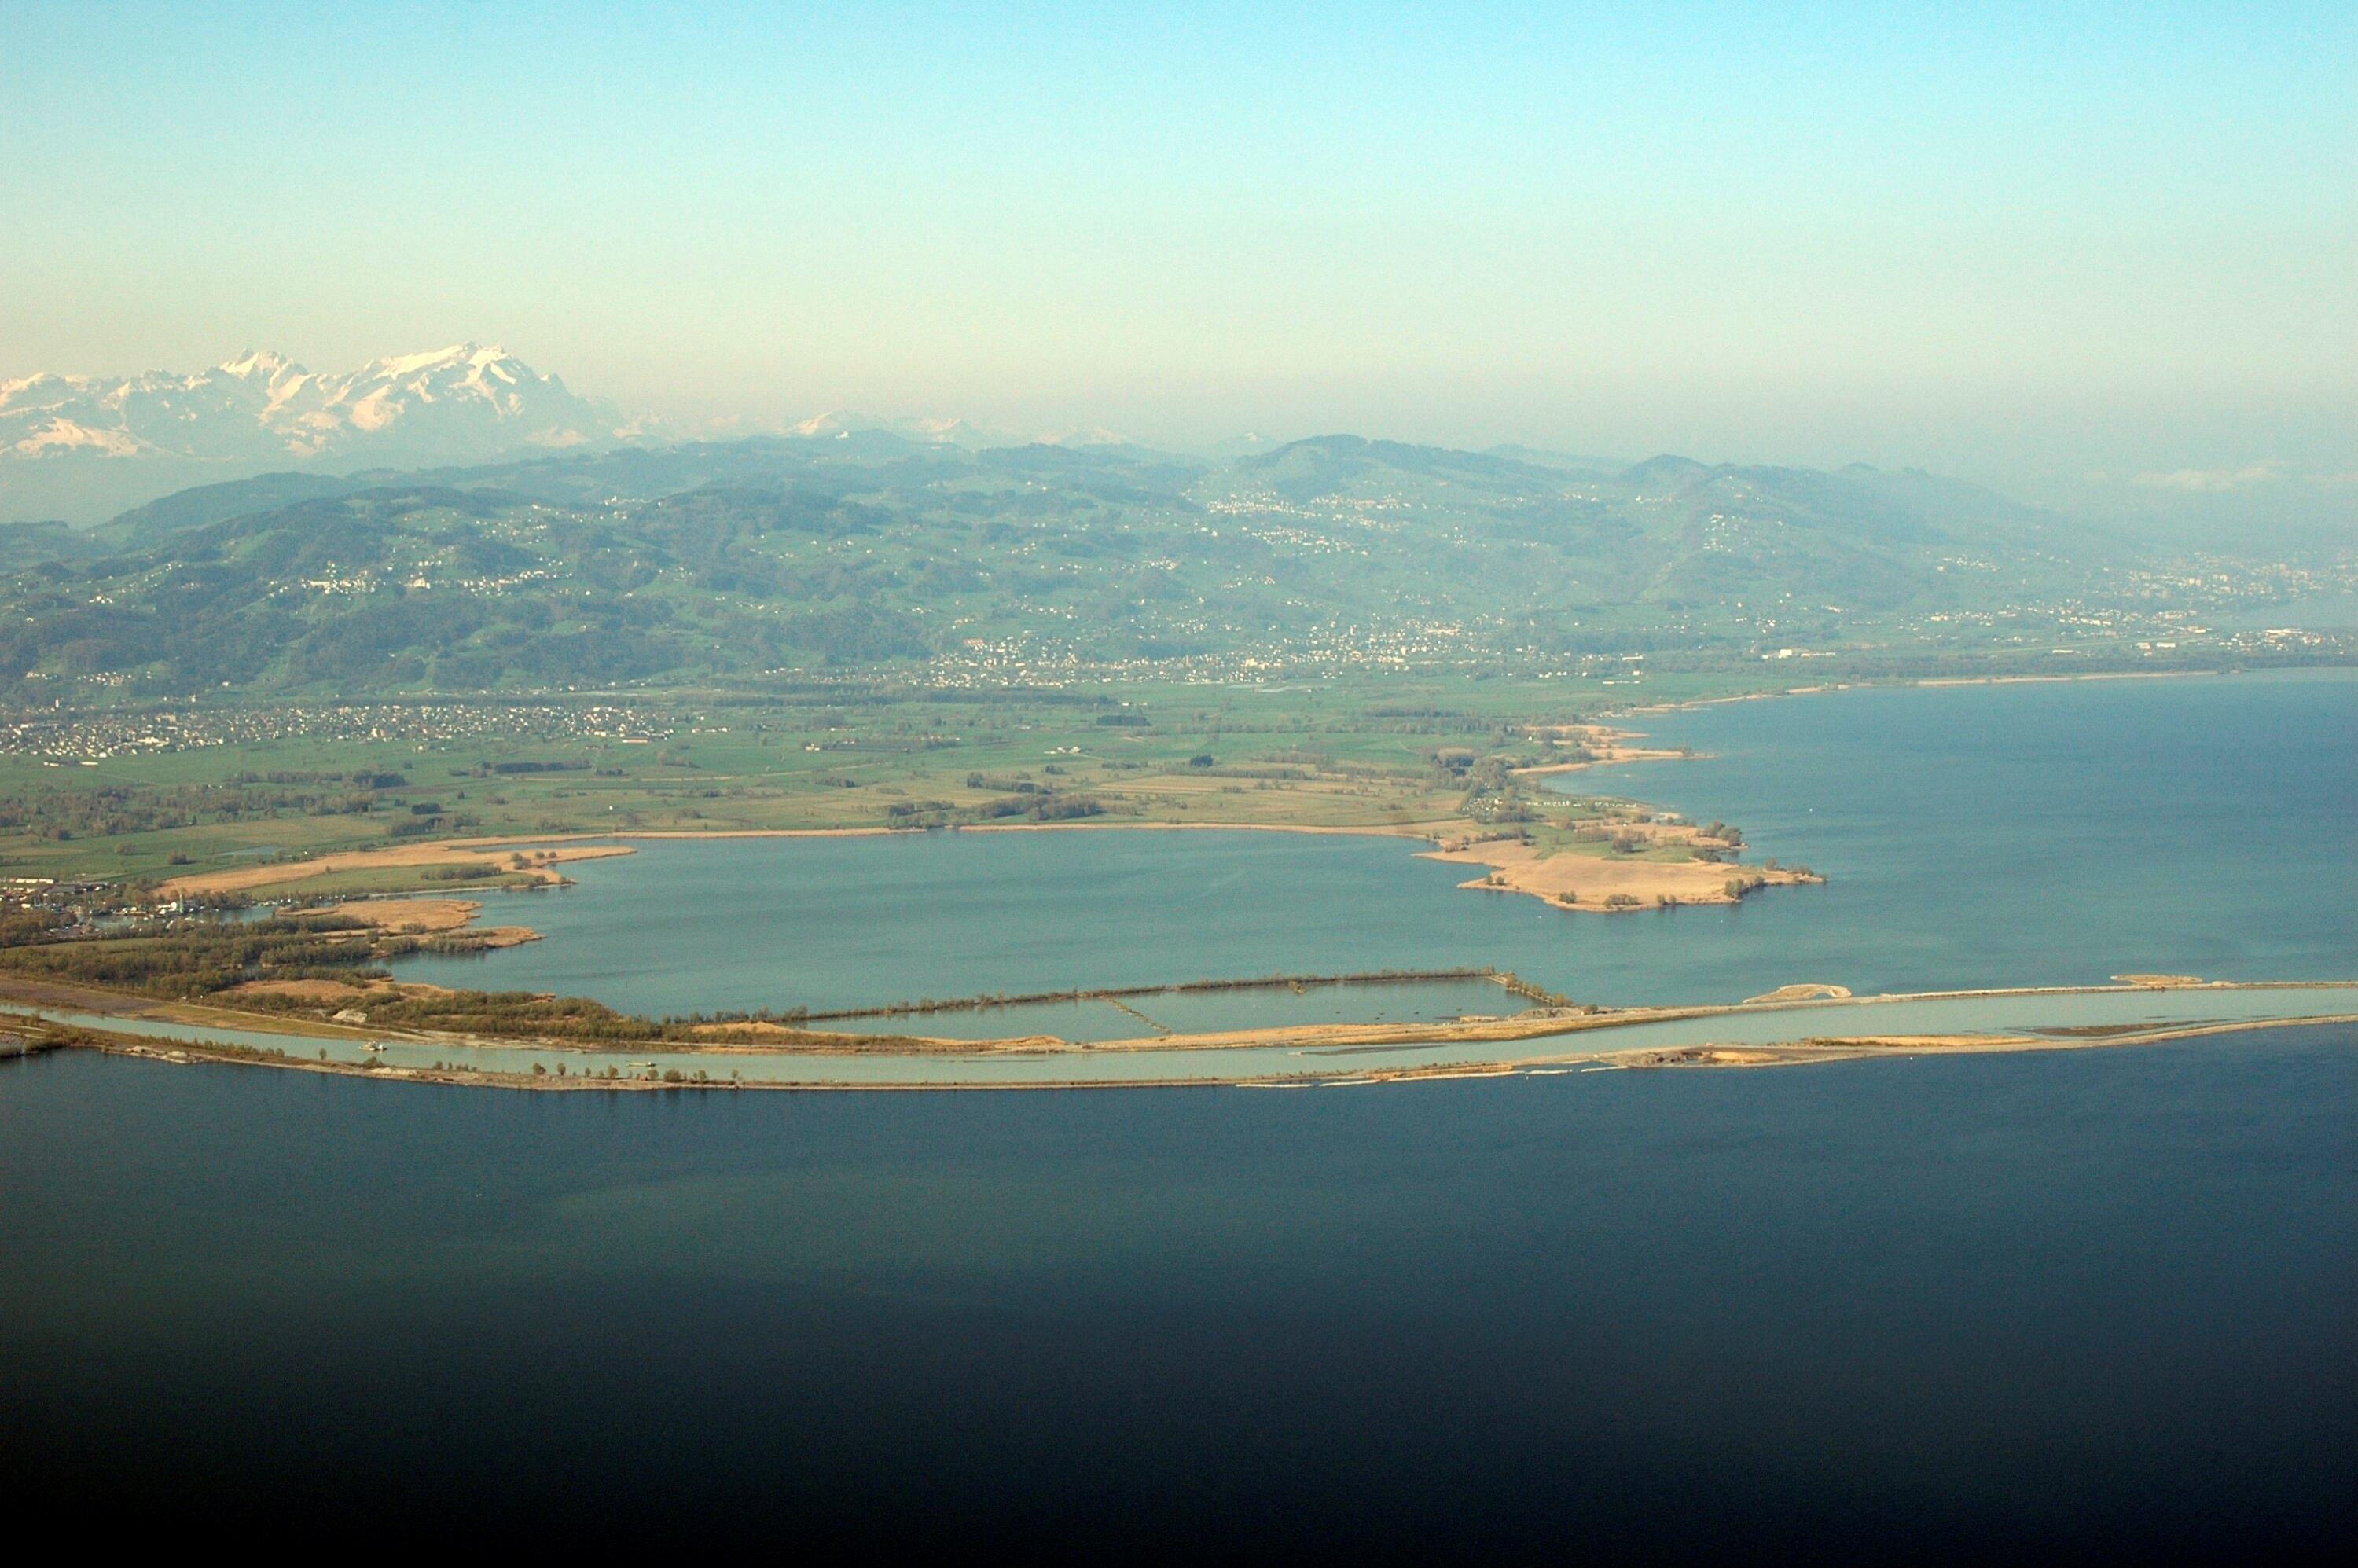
743, 557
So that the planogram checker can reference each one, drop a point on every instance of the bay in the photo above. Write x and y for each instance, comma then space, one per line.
2026, 834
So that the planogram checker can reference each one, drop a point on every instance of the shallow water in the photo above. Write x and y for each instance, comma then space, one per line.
1186, 1012
2014, 835
2101, 1303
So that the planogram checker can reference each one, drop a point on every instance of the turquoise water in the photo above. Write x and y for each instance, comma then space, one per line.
2018, 835
2098, 1305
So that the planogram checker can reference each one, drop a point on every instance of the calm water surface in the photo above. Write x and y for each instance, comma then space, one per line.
2106, 1301
2052, 834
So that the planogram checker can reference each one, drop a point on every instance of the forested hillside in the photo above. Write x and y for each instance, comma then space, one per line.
863, 550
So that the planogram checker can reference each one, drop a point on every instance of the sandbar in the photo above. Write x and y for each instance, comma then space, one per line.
1610, 883
459, 853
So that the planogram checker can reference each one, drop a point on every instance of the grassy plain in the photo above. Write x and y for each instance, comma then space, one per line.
1375, 755
326, 822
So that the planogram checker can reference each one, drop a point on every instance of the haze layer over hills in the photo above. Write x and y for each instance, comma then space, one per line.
457, 521
864, 548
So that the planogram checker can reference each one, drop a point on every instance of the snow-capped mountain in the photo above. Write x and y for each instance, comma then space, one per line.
925, 432
961, 433
84, 446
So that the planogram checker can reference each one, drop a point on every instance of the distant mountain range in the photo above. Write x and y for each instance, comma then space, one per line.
844, 546
85, 447
959, 433
455, 520
81, 449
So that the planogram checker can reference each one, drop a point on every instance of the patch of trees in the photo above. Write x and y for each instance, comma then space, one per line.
206, 958
1041, 806
68, 813
854, 634
507, 1014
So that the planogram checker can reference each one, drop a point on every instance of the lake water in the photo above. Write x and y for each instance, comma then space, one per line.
2097, 1303
2013, 835
2315, 611
2103, 1303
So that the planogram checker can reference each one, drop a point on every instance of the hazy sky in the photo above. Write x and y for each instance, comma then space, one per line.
2025, 245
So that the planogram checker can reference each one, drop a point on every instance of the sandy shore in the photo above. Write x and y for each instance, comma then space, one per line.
1612, 883
462, 852
1848, 1048
1690, 703
427, 917
495, 854
1612, 748
1590, 884
1815, 1050
767, 1038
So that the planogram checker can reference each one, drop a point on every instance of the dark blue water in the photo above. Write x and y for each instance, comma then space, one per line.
2104, 1302
2019, 834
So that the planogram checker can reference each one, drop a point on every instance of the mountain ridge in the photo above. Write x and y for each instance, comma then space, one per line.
856, 548
85, 447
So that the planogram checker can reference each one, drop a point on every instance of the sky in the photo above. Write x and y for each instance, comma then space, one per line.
2106, 252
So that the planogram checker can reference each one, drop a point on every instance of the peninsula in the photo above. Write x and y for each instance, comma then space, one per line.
1540, 1041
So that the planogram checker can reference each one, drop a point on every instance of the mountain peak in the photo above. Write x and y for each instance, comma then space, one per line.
1669, 466
843, 424
835, 423
268, 363
72, 443
471, 353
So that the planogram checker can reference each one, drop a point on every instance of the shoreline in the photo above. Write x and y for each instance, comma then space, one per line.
1588, 1037
1666, 888
1814, 1051
1547, 865
469, 852
1717, 883
1933, 682
1456, 839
